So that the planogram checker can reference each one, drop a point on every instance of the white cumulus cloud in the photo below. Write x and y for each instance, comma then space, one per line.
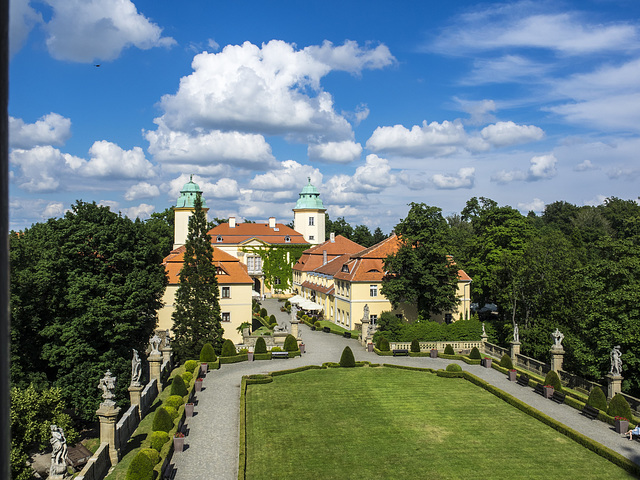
541, 167
463, 179
335, 152
109, 160
291, 176
22, 19
141, 190
141, 211
374, 176
41, 168
536, 205
502, 134
50, 129
53, 209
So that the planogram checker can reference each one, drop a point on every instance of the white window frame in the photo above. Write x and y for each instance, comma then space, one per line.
373, 290
226, 315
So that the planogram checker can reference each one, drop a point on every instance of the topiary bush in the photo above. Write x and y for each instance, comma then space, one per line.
162, 421
178, 387
263, 312
152, 453
208, 354
552, 378
175, 401
453, 367
619, 407
172, 411
290, 343
272, 319
448, 350
415, 346
597, 399
187, 377
140, 468
475, 353
158, 439
276, 349
191, 365
318, 325
505, 362
346, 359
384, 345
228, 349
261, 346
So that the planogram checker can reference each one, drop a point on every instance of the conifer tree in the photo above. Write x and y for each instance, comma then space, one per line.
196, 319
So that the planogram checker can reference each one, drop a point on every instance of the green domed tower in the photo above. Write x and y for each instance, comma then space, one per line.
184, 209
308, 215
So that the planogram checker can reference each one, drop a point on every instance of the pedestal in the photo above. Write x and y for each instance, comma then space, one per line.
557, 356
515, 350
135, 396
108, 416
614, 385
484, 337
294, 328
166, 355
365, 331
155, 366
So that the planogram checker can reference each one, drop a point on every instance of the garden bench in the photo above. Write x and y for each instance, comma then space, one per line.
539, 389
591, 412
523, 380
279, 354
326, 329
400, 351
346, 334
558, 397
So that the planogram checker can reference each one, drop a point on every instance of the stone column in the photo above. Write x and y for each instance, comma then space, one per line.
294, 328
365, 332
135, 396
108, 415
614, 385
484, 338
557, 356
166, 355
515, 350
155, 366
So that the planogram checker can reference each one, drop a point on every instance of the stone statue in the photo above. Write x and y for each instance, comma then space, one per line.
155, 344
279, 328
616, 361
136, 368
294, 312
483, 332
516, 333
59, 453
107, 385
557, 339
365, 315
167, 339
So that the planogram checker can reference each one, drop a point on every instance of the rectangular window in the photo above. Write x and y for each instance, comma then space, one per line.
311, 221
250, 263
373, 319
277, 281
226, 316
311, 237
373, 290
226, 292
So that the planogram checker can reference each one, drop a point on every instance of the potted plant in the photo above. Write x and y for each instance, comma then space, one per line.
548, 391
188, 409
512, 375
622, 424
487, 362
199, 384
433, 353
178, 442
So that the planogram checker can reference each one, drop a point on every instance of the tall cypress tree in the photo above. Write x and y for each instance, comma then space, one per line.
196, 319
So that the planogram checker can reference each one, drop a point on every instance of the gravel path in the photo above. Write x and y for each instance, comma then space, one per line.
211, 447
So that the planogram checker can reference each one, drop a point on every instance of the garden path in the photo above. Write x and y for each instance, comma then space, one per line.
211, 447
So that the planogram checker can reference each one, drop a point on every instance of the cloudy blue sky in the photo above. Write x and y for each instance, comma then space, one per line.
381, 103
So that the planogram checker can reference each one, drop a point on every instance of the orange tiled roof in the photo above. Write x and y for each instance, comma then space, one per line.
318, 288
230, 269
313, 257
262, 231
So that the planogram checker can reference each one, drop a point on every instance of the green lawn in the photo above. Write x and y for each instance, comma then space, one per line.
386, 423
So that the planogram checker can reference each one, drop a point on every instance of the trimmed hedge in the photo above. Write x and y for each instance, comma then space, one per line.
347, 359
152, 453
448, 350
228, 349
619, 407
290, 343
597, 399
175, 401
158, 439
262, 356
140, 468
187, 377
191, 365
475, 354
234, 358
506, 362
384, 345
208, 354
453, 367
415, 346
172, 411
261, 346
178, 387
162, 421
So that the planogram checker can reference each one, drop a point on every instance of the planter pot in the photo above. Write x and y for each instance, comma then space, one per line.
512, 375
433, 353
178, 444
204, 368
198, 385
622, 426
188, 409
487, 363
370, 347
301, 348
250, 356
548, 392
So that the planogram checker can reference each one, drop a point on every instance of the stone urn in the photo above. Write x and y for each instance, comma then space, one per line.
188, 409
512, 375
250, 356
301, 346
548, 391
433, 353
178, 442
622, 425
204, 369
198, 385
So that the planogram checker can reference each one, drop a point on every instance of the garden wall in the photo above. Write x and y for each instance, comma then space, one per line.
98, 465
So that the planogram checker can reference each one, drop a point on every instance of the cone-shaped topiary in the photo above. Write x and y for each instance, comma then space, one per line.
162, 421
384, 345
190, 365
152, 453
263, 312
261, 346
552, 378
140, 468
619, 407
208, 354
346, 359
158, 439
175, 401
505, 362
272, 319
453, 367
597, 399
228, 349
448, 350
415, 346
475, 353
178, 387
290, 343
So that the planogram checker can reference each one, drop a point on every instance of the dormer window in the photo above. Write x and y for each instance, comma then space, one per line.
345, 268
219, 239
287, 239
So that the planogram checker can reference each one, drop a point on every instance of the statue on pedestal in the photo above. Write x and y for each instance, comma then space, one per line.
516, 333
155, 342
365, 314
483, 332
136, 368
557, 339
107, 385
616, 361
59, 453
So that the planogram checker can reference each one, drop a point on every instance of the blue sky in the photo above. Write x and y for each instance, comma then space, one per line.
380, 103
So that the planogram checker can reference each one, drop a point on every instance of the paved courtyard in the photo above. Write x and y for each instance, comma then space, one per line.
211, 447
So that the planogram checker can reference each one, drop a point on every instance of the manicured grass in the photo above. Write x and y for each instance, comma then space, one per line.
335, 328
385, 423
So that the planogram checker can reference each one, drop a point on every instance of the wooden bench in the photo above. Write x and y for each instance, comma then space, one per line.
558, 397
279, 354
591, 412
523, 380
326, 329
539, 389
346, 334
400, 351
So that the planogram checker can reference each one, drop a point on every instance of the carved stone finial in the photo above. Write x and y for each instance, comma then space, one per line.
107, 385
155, 342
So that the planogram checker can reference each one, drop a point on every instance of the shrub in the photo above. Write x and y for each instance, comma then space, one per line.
290, 343
190, 365
208, 354
172, 411
152, 453
384, 345
228, 349
475, 353
178, 387
175, 401
505, 362
287, 304
453, 367
243, 351
346, 359
263, 312
415, 346
552, 378
448, 350
276, 349
261, 346
619, 407
597, 399
187, 377
140, 468
272, 319
158, 439
162, 421
317, 325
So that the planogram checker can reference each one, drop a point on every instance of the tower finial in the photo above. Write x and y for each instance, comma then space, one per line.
309, 179
191, 178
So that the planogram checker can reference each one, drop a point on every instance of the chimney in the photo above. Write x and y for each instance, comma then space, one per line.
332, 236
324, 257
232, 222
272, 222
